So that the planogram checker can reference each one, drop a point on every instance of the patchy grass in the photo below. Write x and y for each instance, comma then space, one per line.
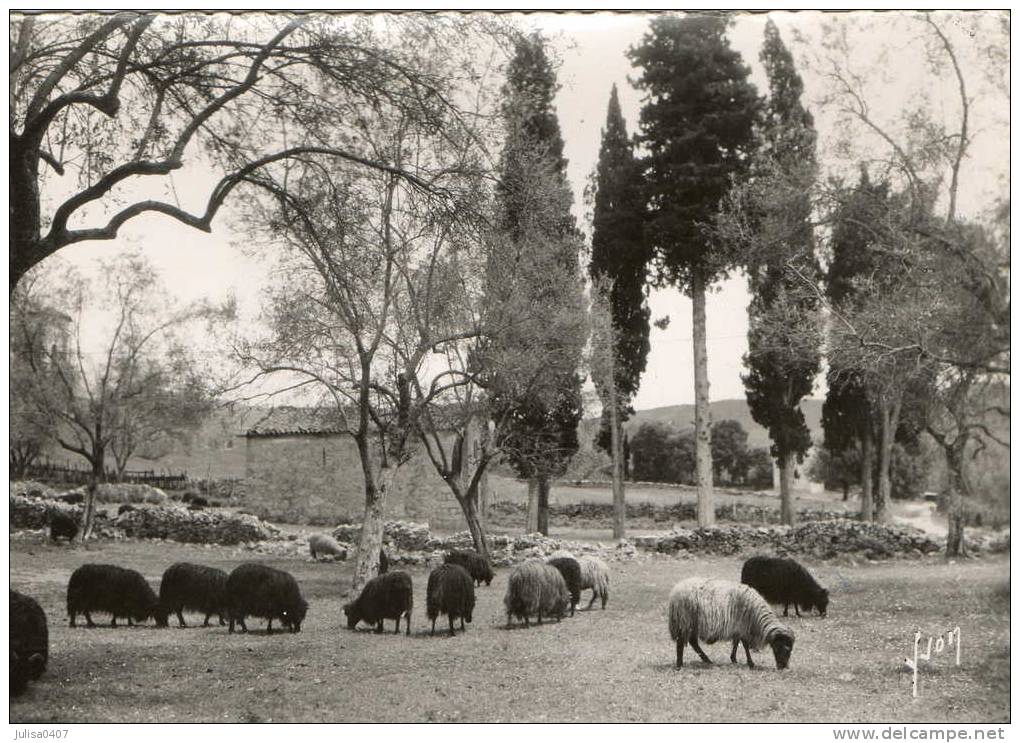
613, 665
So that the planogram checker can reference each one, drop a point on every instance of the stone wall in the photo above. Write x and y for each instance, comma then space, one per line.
316, 478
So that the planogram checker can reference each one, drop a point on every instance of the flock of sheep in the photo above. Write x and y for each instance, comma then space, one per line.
699, 610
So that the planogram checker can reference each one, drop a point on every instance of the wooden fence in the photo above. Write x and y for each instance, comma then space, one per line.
47, 471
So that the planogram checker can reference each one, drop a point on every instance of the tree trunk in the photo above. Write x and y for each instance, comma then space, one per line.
867, 473
532, 525
543, 504
619, 504
23, 230
702, 412
469, 505
890, 413
88, 516
957, 488
786, 465
372, 527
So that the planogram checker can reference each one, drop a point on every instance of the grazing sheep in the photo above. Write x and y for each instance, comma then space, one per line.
323, 544
30, 643
73, 498
109, 588
476, 565
713, 610
195, 588
199, 502
261, 591
535, 588
594, 575
451, 591
571, 572
781, 580
125, 508
388, 596
62, 526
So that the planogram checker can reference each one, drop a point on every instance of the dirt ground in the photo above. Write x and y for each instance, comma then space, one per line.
612, 665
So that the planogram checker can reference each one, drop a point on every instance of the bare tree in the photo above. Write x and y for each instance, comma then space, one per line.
138, 384
104, 103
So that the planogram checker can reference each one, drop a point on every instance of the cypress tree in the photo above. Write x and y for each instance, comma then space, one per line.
781, 373
540, 422
619, 256
698, 126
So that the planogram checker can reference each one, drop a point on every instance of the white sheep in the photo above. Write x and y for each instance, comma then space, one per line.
594, 575
711, 610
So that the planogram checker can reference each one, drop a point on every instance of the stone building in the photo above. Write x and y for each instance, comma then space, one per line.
314, 476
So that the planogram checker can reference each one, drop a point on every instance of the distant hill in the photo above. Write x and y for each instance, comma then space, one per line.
682, 416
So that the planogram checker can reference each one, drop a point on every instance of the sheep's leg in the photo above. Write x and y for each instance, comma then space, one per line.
269, 626
526, 621
733, 653
462, 624
88, 620
796, 609
697, 649
786, 610
433, 632
408, 615
593, 597
378, 627
206, 622
74, 615
452, 630
540, 617
509, 624
130, 622
604, 597
396, 630
747, 652
180, 619
113, 622
222, 621
680, 652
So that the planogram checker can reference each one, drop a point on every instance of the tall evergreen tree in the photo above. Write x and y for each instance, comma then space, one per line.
620, 258
848, 418
780, 373
697, 125
540, 435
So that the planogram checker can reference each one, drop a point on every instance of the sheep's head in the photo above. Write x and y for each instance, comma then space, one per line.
781, 641
351, 612
822, 601
158, 612
293, 616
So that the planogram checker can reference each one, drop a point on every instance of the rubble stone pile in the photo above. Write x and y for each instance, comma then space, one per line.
743, 513
405, 536
182, 525
821, 539
34, 513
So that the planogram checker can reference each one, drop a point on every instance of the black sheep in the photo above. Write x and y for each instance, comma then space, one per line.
72, 498
781, 580
571, 572
476, 565
62, 526
196, 588
30, 641
388, 596
262, 591
125, 508
198, 500
109, 588
451, 591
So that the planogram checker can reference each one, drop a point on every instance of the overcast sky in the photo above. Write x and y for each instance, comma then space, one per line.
593, 52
